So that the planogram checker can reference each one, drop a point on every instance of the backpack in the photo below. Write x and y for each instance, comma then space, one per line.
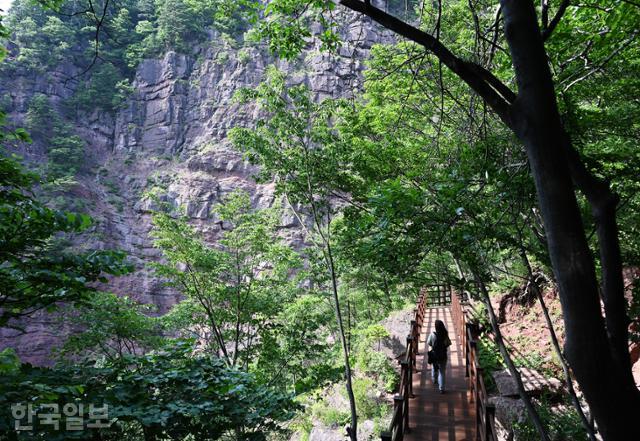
439, 348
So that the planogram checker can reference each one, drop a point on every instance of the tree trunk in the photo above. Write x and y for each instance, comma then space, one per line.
607, 385
353, 429
532, 283
565, 368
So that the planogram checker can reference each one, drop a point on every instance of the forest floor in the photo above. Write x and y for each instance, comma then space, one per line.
525, 328
525, 331
527, 336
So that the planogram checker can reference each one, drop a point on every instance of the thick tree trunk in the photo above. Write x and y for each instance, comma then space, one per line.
603, 377
603, 207
565, 368
533, 284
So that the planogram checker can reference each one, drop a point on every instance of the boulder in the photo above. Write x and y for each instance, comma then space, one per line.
320, 432
508, 412
398, 326
636, 373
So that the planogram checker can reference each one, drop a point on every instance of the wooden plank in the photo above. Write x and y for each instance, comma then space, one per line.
432, 416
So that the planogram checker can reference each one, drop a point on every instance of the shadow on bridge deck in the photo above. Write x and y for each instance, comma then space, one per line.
436, 417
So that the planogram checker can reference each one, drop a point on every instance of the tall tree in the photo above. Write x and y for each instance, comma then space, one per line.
235, 290
297, 146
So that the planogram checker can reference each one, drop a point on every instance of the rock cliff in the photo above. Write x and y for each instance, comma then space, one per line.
170, 137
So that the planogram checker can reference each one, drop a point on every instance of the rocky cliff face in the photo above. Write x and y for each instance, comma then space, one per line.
171, 138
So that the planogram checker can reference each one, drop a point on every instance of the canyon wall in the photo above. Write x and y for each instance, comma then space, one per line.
170, 138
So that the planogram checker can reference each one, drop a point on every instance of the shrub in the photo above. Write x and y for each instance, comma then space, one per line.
64, 149
244, 56
378, 365
329, 415
168, 392
490, 360
374, 363
563, 424
367, 405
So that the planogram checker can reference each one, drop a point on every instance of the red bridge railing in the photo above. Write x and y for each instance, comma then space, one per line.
467, 333
442, 295
400, 420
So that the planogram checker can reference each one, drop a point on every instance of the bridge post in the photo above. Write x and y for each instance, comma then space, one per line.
471, 344
398, 403
415, 334
411, 364
488, 420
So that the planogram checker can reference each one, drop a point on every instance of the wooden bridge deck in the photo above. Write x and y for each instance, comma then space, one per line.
436, 417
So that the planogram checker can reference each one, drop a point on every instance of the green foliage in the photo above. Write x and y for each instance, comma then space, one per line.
105, 89
295, 349
4, 34
432, 174
111, 327
296, 142
41, 117
429, 181
377, 365
178, 24
327, 411
233, 17
232, 290
170, 393
373, 334
288, 37
65, 151
368, 405
66, 154
244, 56
563, 424
44, 40
47, 39
34, 274
490, 359
329, 415
373, 363
9, 362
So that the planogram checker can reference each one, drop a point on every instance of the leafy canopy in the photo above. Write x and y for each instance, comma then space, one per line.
167, 394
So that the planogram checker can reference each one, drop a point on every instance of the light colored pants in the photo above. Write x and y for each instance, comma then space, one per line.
439, 371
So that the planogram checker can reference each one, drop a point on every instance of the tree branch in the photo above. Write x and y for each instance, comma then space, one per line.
483, 82
547, 30
603, 204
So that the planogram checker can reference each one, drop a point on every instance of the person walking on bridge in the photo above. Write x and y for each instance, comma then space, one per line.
439, 342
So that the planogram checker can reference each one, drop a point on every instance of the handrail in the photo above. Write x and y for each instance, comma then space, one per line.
400, 418
442, 295
437, 295
467, 333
